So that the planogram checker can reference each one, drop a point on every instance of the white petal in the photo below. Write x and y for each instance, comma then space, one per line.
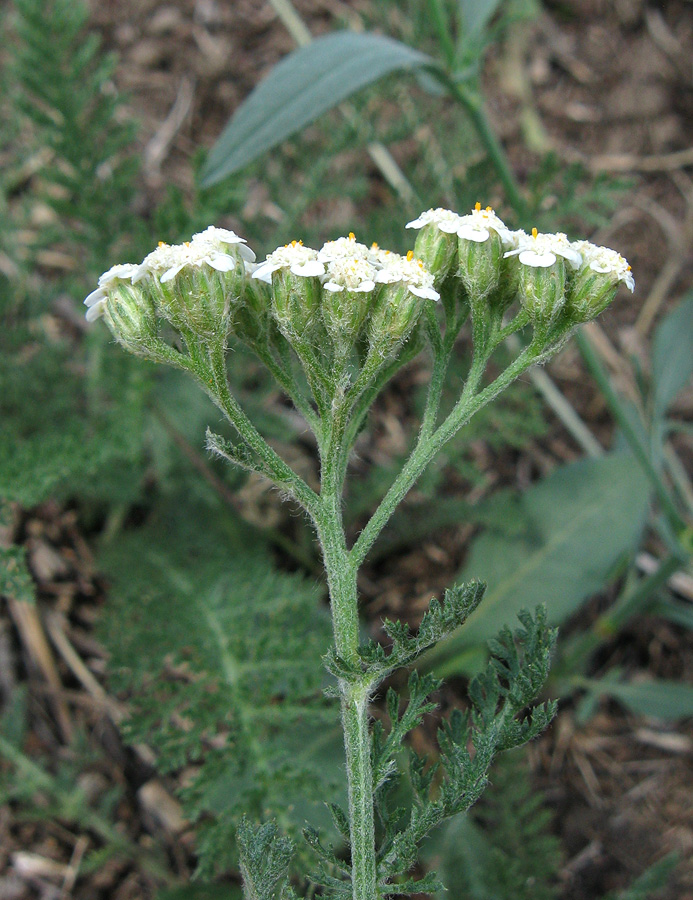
310, 269
94, 297
385, 277
171, 273
332, 287
426, 293
222, 262
264, 272
245, 253
537, 260
96, 311
571, 255
448, 226
365, 286
470, 233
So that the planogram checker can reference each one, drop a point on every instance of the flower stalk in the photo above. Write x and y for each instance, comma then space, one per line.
351, 316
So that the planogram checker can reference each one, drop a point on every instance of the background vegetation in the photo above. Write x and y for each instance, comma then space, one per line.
128, 748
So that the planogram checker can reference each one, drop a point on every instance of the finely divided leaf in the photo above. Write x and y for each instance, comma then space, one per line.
223, 656
265, 858
304, 85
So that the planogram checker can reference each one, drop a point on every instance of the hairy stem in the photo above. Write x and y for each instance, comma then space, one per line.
281, 473
428, 446
341, 579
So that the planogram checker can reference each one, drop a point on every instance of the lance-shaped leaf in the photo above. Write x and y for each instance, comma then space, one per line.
579, 522
658, 698
304, 85
672, 359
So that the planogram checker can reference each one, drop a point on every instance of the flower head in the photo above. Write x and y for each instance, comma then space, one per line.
299, 260
168, 260
355, 274
541, 250
213, 236
96, 300
478, 225
606, 262
444, 219
409, 271
343, 248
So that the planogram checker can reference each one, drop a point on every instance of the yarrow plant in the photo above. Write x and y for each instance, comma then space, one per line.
333, 326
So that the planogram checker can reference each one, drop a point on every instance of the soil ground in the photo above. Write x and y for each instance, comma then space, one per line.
610, 83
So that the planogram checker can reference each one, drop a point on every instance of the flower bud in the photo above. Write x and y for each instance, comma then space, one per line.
294, 273
131, 316
347, 298
482, 240
542, 291
595, 284
194, 285
436, 242
407, 284
127, 310
250, 318
544, 260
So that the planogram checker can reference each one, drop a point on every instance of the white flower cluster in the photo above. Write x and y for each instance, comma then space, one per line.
209, 247
534, 250
346, 264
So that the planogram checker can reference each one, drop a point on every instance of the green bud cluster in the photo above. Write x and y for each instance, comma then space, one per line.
350, 300
195, 287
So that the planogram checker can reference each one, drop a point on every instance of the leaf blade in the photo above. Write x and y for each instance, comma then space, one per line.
305, 84
580, 520
672, 359
658, 699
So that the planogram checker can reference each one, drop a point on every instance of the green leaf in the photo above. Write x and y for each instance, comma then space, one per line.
223, 658
672, 356
674, 611
304, 85
667, 700
579, 522
265, 859
476, 14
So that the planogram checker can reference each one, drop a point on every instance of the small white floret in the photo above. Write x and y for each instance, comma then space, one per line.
353, 274
542, 250
446, 220
300, 260
478, 224
213, 234
96, 300
168, 260
410, 271
343, 248
606, 262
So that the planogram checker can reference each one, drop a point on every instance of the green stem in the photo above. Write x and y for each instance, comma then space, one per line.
427, 447
281, 473
473, 106
341, 579
621, 416
441, 350
442, 26
290, 388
